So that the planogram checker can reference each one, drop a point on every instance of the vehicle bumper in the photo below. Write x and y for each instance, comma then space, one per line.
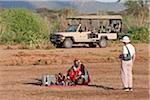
57, 39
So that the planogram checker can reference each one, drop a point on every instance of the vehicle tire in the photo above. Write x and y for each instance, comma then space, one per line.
102, 43
92, 45
68, 43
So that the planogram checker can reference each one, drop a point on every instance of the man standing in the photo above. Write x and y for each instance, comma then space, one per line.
127, 59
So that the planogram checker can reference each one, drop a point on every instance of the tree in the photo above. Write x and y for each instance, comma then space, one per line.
139, 10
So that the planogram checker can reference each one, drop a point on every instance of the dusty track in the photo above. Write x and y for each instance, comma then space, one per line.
21, 69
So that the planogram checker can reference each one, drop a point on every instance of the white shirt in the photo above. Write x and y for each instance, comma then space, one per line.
131, 49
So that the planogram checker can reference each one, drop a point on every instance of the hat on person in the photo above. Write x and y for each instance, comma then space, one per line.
125, 39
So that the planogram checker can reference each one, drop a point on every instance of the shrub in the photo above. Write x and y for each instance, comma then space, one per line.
140, 34
23, 26
137, 35
135, 32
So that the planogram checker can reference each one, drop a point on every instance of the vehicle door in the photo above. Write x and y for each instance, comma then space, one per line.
82, 34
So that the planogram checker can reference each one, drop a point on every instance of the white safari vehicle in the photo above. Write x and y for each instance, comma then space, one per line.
92, 30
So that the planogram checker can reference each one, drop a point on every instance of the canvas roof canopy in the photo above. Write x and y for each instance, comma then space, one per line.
95, 17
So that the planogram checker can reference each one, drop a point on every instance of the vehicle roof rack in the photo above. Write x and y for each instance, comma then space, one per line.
95, 17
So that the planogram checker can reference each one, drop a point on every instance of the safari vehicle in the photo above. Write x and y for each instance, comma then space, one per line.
92, 30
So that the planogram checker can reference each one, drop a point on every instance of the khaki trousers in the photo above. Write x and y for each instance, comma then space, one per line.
126, 73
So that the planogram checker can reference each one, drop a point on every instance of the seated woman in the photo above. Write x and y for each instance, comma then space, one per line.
78, 74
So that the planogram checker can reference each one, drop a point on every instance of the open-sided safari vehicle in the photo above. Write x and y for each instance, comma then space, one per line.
92, 30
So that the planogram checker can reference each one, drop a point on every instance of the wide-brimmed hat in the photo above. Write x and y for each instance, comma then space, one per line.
125, 39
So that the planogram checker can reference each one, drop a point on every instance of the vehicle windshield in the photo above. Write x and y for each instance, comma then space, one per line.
71, 28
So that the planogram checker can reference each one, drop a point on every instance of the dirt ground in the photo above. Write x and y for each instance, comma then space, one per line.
20, 71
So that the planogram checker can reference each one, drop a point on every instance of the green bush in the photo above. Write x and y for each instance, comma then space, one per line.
140, 34
137, 35
134, 31
22, 26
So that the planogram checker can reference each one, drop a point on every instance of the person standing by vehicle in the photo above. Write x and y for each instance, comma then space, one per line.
127, 59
